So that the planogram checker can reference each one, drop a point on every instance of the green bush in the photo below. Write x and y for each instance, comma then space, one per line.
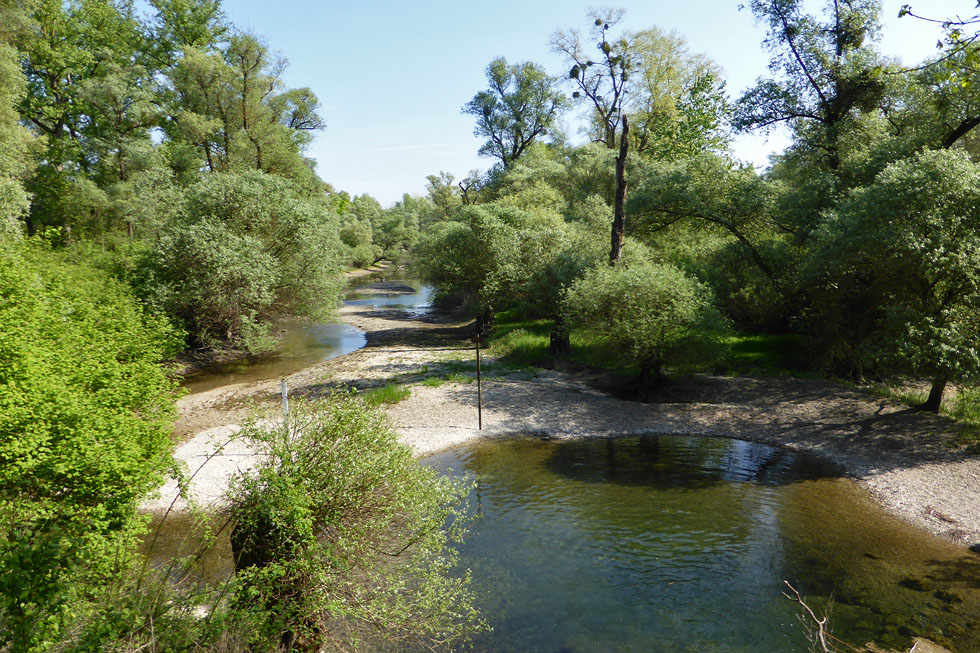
654, 314
245, 249
342, 535
85, 411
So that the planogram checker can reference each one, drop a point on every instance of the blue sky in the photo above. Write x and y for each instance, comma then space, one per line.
392, 76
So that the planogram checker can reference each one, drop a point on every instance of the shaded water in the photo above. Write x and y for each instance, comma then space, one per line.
674, 543
302, 344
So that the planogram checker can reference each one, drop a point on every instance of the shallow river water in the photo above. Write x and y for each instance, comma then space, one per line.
302, 344
671, 543
659, 543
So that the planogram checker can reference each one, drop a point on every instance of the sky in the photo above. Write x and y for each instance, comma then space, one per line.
393, 75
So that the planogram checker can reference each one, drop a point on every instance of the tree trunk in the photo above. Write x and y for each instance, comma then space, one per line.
650, 378
619, 213
560, 344
935, 400
484, 322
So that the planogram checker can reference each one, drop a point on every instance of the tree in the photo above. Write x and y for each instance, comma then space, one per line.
652, 314
180, 24
489, 253
712, 193
900, 282
443, 195
122, 109
66, 44
17, 145
233, 107
827, 73
606, 85
679, 106
248, 247
520, 106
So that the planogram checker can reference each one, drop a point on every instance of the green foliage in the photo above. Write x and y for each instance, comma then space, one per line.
347, 537
444, 196
520, 106
390, 393
899, 275
966, 409
247, 248
500, 253
356, 235
16, 144
768, 354
520, 347
654, 314
827, 74
679, 108
85, 411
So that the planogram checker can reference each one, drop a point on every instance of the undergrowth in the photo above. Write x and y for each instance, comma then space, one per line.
391, 393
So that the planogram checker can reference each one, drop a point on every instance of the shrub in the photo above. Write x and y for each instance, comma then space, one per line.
653, 313
246, 248
85, 411
341, 534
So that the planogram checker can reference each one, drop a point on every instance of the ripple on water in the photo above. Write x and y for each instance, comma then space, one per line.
677, 543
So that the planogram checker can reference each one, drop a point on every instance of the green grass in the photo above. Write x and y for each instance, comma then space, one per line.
966, 410
388, 394
521, 342
517, 341
434, 381
767, 354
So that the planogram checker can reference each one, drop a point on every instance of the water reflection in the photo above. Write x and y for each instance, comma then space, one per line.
303, 344
673, 543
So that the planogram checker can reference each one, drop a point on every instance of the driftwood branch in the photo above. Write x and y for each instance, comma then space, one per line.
821, 624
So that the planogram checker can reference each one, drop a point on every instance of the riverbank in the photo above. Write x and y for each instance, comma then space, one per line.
910, 461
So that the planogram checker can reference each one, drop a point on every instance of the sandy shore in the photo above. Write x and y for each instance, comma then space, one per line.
908, 460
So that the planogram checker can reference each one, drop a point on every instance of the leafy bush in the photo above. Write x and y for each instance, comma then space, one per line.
341, 534
653, 313
85, 411
247, 248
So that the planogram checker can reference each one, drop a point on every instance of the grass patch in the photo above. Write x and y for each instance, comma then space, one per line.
766, 354
966, 410
457, 377
388, 394
521, 348
460, 366
518, 341
434, 381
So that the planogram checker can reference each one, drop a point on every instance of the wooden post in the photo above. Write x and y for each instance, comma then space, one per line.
479, 386
285, 398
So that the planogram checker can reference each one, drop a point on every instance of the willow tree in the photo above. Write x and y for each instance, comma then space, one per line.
901, 279
647, 93
606, 85
520, 106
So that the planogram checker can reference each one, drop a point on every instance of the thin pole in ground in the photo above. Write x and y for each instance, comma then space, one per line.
285, 398
479, 385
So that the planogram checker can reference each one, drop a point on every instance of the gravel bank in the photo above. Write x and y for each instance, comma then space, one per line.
908, 460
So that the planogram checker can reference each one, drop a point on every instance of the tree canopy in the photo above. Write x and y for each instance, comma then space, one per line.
520, 106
